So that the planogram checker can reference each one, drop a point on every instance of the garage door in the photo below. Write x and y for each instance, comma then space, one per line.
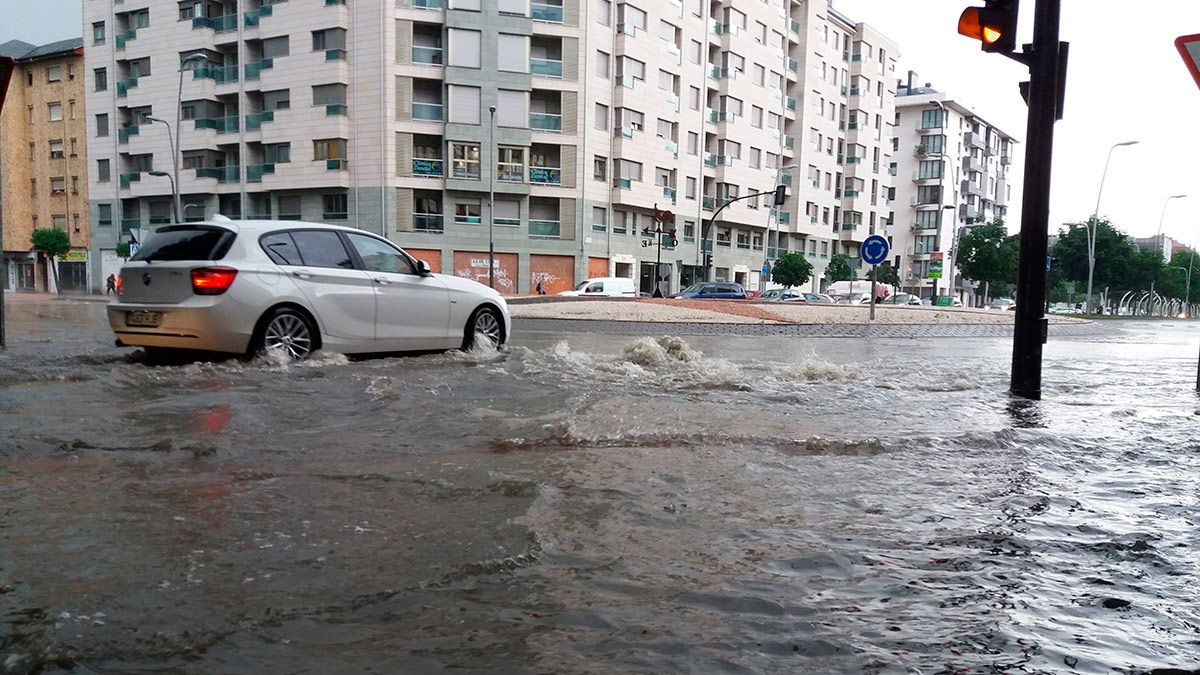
474, 265
557, 272
432, 257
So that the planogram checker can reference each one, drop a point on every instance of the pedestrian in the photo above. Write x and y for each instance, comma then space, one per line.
110, 284
541, 286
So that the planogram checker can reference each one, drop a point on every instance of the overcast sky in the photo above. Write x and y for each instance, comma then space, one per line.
1125, 82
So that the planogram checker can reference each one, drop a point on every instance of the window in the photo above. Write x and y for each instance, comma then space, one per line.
464, 104
696, 53
32, 187
599, 219
273, 48
602, 64
330, 38
629, 15
601, 116
619, 220
104, 214
467, 212
472, 5
140, 18
755, 158
333, 207
59, 221
600, 168
630, 170
139, 68
102, 171
279, 99
512, 108
53, 74
690, 187
100, 75
281, 249
379, 256
512, 53
289, 207
510, 165
693, 143
629, 67
604, 12
689, 230
694, 98
929, 194
756, 117
190, 9
323, 248
929, 169
101, 125
760, 75
277, 153
931, 119
98, 35
329, 148
506, 212
74, 147
932, 145
464, 160
329, 94
464, 48
74, 185
56, 149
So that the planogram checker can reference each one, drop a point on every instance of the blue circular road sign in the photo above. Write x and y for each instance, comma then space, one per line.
874, 250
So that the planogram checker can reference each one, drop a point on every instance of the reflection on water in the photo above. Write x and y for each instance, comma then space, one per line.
599, 503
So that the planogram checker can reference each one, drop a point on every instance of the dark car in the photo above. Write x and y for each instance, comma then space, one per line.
713, 290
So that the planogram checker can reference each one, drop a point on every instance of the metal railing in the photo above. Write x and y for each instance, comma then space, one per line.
546, 67
430, 56
428, 222
545, 228
545, 121
543, 12
427, 111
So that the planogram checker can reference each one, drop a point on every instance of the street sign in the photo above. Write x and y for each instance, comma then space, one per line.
874, 250
1189, 49
935, 265
133, 249
766, 271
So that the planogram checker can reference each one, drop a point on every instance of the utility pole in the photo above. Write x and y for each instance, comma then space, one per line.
7, 65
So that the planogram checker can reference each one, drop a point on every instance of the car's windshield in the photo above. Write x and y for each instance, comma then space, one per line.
694, 288
583, 284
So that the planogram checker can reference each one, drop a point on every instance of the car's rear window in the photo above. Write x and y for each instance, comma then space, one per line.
186, 242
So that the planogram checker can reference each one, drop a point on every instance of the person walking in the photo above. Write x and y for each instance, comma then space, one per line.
110, 284
541, 286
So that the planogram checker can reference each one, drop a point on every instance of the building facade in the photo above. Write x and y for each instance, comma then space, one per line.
550, 130
43, 165
953, 170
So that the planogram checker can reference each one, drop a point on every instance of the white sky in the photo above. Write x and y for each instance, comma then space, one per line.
1125, 81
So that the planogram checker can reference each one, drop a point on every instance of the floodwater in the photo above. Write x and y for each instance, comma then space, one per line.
600, 503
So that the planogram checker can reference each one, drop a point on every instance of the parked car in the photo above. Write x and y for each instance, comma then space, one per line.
604, 287
293, 287
713, 290
1004, 304
857, 287
782, 295
852, 298
902, 299
819, 298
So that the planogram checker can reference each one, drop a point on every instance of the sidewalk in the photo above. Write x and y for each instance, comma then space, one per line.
18, 297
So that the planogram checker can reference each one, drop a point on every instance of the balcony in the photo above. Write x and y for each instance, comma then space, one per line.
429, 4
254, 122
708, 203
854, 126
849, 226
124, 86
671, 146
545, 121
222, 125
622, 183
785, 179
123, 38
855, 91
223, 174
548, 13
545, 228
793, 65
336, 165
428, 222
850, 194
710, 159
791, 103
625, 132
335, 110
219, 24
794, 26
125, 179
219, 74
545, 175
627, 29
432, 168
781, 216
255, 172
546, 67
669, 192
253, 70
126, 131
974, 140
250, 19
725, 160
853, 160
431, 112
428, 56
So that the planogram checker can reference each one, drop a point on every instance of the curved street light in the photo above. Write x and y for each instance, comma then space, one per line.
1091, 231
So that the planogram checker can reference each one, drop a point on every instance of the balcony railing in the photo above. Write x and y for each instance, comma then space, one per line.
336, 54
546, 67
545, 121
853, 160
623, 183
794, 25
434, 168
785, 179
708, 203
125, 132
251, 18
123, 38
710, 159
430, 56
782, 216
545, 175
849, 193
671, 146
253, 70
543, 12
219, 24
791, 103
254, 122
223, 174
429, 4
126, 179
222, 125
124, 86
335, 110
627, 29
793, 65
219, 74
336, 165
849, 226
427, 111
255, 172
428, 222
545, 228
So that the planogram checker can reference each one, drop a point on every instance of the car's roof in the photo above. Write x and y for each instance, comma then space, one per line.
253, 227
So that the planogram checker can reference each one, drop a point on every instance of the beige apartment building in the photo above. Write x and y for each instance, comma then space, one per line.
551, 129
43, 164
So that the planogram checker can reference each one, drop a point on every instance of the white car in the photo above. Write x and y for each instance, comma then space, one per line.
604, 286
294, 287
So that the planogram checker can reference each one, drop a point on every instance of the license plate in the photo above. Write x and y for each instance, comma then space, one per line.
142, 317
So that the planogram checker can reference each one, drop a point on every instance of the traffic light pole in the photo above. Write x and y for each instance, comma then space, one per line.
779, 192
1030, 329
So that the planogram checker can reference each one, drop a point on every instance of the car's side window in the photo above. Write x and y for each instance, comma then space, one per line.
322, 248
597, 287
280, 248
379, 256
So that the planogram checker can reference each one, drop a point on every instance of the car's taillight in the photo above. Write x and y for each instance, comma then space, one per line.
212, 280
120, 285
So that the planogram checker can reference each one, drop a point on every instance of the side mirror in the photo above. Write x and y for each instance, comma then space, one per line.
423, 269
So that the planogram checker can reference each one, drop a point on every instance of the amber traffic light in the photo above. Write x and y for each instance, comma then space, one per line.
995, 25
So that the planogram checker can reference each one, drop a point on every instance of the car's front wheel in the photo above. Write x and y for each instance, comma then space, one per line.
485, 324
288, 333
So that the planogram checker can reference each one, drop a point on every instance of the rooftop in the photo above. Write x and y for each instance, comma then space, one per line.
23, 51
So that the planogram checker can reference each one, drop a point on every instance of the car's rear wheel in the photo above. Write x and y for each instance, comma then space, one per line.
485, 323
287, 332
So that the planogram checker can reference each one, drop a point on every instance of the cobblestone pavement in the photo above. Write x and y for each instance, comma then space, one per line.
794, 330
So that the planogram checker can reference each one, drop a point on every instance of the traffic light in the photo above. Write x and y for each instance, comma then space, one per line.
708, 260
780, 195
674, 239
994, 25
664, 217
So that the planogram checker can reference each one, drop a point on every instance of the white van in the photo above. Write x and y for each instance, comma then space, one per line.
846, 292
604, 287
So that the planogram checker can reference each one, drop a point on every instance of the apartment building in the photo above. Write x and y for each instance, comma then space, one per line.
549, 130
953, 171
43, 164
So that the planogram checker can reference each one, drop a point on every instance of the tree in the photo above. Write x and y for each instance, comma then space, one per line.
987, 254
1172, 283
53, 243
792, 269
888, 275
838, 268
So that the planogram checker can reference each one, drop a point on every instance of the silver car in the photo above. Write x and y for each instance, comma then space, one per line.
292, 288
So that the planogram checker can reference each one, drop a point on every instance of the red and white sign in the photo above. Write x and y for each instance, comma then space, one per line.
1189, 49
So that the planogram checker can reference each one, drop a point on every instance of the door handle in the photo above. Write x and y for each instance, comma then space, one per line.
381, 282
301, 275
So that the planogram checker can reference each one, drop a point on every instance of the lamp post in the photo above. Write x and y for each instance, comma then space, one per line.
1091, 231
175, 163
1158, 246
492, 198
774, 220
178, 149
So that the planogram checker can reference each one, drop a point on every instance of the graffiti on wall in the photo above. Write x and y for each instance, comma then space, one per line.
474, 266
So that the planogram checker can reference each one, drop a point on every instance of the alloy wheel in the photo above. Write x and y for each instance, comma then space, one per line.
488, 326
289, 334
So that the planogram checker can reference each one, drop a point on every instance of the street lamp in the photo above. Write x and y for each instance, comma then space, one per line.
1091, 231
492, 198
1158, 237
175, 163
176, 151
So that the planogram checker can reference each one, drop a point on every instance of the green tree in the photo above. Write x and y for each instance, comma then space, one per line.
988, 255
53, 243
1173, 281
1115, 254
792, 269
888, 275
838, 268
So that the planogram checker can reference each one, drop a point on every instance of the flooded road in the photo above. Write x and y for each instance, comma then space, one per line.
600, 503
